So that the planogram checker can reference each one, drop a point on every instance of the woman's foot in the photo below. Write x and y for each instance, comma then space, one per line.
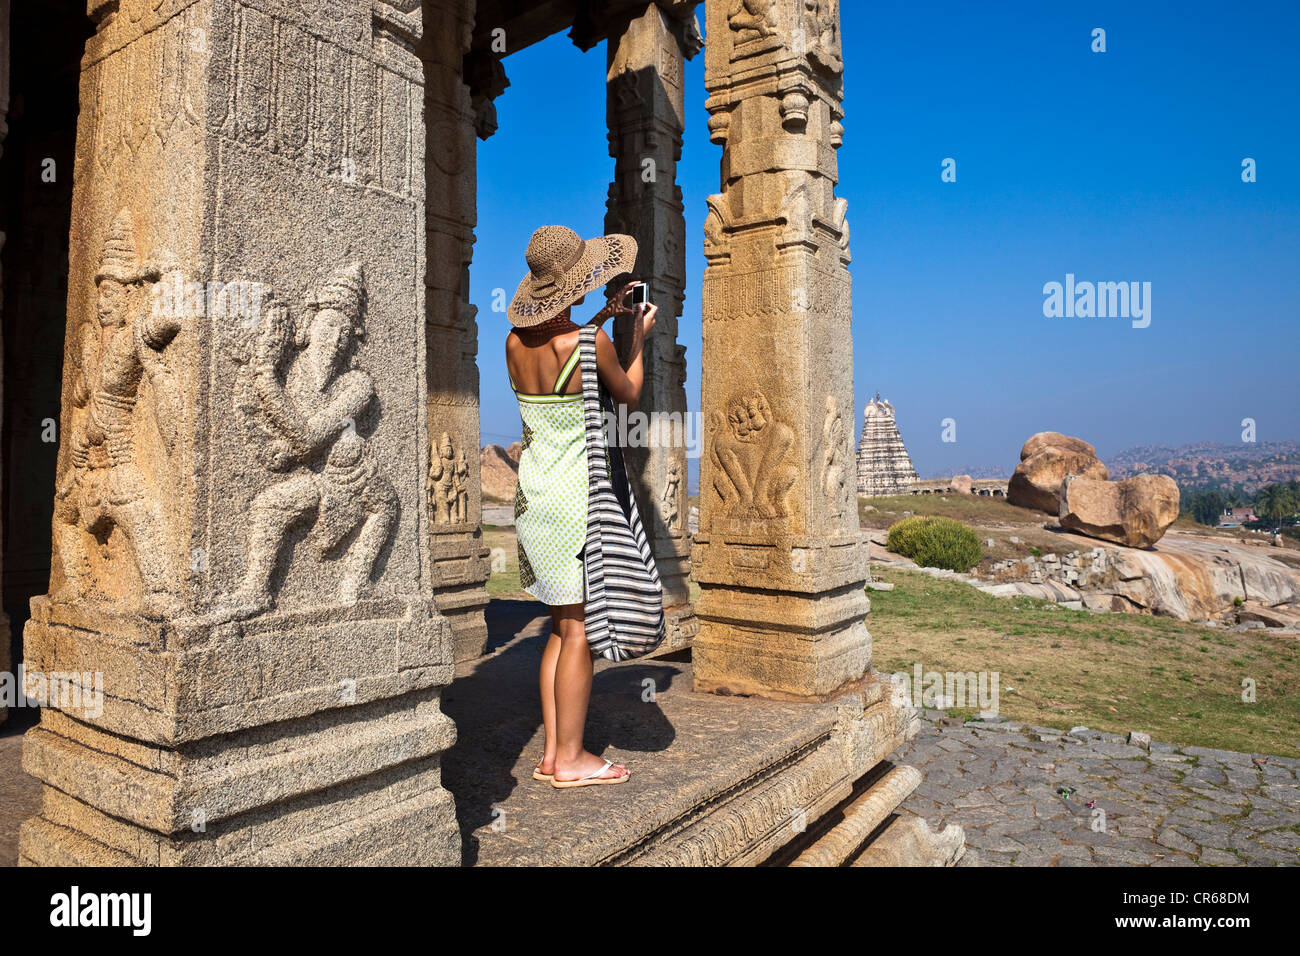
586, 764
544, 769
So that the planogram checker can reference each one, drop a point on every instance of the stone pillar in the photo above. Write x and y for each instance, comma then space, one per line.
460, 560
779, 557
242, 586
4, 128
645, 113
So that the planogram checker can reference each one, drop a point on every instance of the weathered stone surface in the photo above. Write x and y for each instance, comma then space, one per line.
716, 780
1045, 460
860, 818
909, 841
884, 466
1087, 799
515, 451
500, 473
1190, 577
779, 555
242, 511
1135, 512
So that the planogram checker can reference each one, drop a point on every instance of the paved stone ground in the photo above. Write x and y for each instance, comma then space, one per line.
20, 795
683, 749
1164, 807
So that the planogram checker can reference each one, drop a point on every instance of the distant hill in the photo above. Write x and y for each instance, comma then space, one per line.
978, 471
1208, 463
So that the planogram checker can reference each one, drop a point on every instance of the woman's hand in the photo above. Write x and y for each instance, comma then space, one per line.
645, 314
616, 305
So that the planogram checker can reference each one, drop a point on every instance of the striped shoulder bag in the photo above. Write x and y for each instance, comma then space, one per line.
624, 610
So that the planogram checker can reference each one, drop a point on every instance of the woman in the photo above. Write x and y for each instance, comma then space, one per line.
551, 503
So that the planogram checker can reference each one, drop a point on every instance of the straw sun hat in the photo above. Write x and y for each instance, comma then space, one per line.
563, 268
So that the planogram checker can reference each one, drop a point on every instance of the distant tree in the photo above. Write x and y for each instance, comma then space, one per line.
1205, 505
1275, 502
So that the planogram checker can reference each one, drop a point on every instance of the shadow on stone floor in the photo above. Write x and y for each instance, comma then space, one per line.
496, 705
20, 794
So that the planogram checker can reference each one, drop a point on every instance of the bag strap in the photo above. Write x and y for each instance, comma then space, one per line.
592, 414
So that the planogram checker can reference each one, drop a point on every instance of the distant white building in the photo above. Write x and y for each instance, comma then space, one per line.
884, 466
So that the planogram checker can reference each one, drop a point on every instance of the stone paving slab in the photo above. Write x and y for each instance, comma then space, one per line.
683, 749
20, 794
1003, 783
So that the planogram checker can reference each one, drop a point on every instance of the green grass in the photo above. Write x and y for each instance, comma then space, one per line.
969, 509
1179, 681
503, 583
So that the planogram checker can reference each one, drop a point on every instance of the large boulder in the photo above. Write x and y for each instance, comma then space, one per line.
500, 473
1045, 461
1135, 512
515, 451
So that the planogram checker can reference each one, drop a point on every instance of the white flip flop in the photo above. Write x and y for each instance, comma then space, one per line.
591, 779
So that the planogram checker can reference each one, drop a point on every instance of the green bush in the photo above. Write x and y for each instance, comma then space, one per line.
935, 542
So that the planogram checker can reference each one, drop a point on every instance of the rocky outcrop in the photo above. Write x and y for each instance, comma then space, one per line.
514, 451
1045, 462
500, 473
1135, 512
884, 466
1189, 578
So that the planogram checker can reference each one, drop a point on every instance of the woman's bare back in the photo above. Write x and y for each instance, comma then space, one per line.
534, 365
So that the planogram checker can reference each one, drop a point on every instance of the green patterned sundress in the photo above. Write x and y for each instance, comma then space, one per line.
551, 502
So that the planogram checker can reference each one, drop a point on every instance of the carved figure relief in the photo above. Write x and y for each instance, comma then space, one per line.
820, 22
750, 450
672, 490
840, 219
715, 222
104, 486
751, 19
302, 391
834, 438
448, 485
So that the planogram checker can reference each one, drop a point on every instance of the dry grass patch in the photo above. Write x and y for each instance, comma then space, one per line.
1180, 682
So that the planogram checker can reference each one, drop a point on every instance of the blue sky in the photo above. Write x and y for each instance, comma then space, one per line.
1115, 166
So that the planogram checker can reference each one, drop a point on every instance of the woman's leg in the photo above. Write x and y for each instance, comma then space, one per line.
550, 657
572, 694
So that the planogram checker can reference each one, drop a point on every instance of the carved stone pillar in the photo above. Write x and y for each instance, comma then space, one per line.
779, 556
645, 113
460, 560
242, 586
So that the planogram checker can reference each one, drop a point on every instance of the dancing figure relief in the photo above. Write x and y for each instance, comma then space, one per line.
834, 474
671, 496
750, 448
104, 488
301, 392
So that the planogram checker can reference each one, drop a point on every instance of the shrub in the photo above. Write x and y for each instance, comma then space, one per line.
935, 542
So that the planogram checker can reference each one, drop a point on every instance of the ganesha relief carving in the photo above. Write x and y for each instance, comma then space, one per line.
104, 488
751, 454
301, 395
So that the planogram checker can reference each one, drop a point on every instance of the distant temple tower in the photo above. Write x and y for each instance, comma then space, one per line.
884, 467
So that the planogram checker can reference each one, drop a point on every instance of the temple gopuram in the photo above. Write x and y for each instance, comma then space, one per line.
884, 466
